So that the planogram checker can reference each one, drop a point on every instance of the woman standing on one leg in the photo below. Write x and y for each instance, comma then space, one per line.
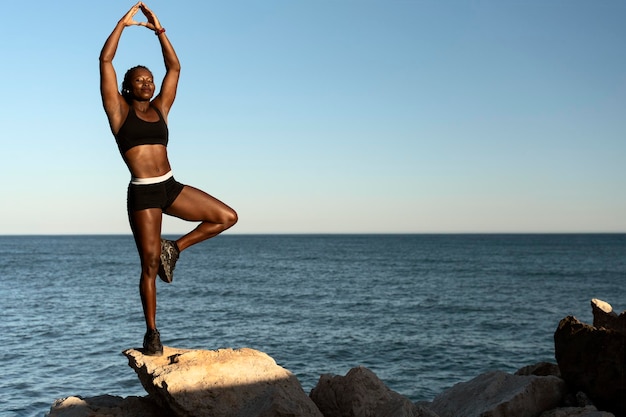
139, 123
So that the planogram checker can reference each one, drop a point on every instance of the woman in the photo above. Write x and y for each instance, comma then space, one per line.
139, 123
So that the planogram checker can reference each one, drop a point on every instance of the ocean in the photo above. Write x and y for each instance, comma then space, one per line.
423, 312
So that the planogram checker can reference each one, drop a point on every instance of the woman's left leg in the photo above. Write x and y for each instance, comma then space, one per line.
214, 216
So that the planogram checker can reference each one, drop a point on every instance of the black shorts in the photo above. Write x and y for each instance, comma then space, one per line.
160, 195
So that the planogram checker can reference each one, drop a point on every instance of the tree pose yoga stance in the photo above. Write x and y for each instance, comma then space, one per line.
139, 123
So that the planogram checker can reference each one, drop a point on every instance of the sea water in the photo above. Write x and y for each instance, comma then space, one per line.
423, 312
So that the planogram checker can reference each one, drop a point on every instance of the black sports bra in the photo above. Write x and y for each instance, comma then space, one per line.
135, 132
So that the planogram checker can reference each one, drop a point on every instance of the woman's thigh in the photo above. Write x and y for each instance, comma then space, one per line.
193, 204
146, 227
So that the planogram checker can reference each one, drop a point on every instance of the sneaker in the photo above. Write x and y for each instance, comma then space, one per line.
169, 256
152, 343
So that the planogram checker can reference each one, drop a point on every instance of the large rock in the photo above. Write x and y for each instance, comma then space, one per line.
360, 394
221, 383
499, 394
593, 359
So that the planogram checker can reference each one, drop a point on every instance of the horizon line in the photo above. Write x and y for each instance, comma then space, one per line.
339, 233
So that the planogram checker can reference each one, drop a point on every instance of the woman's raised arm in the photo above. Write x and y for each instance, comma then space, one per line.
166, 96
113, 102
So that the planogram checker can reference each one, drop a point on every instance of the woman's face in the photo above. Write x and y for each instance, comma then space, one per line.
142, 84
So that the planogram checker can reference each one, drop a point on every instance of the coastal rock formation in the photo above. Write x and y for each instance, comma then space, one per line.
499, 394
592, 359
248, 383
360, 393
221, 383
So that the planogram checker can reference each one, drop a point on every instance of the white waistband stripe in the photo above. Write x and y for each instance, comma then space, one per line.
153, 180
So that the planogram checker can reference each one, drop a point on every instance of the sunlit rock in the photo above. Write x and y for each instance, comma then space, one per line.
605, 317
221, 383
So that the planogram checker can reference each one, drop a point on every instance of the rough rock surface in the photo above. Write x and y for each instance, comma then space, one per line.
593, 360
499, 394
604, 316
221, 383
360, 394
540, 369
105, 406
589, 411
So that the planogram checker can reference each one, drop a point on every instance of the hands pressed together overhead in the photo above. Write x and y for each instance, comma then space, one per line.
151, 23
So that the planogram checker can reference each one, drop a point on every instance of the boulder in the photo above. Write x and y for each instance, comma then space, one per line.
499, 394
105, 406
592, 360
221, 383
360, 394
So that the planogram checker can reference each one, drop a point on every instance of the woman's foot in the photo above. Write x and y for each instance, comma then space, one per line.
152, 343
169, 256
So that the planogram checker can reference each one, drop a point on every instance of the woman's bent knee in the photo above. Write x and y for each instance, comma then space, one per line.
231, 219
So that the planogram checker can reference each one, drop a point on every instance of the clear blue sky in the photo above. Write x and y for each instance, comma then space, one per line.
330, 116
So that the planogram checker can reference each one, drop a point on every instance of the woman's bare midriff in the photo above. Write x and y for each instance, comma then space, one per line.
147, 161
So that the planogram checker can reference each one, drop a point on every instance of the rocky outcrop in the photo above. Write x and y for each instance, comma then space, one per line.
221, 383
592, 359
358, 394
499, 394
248, 383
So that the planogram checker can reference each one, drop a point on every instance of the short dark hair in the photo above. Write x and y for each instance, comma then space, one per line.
126, 88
